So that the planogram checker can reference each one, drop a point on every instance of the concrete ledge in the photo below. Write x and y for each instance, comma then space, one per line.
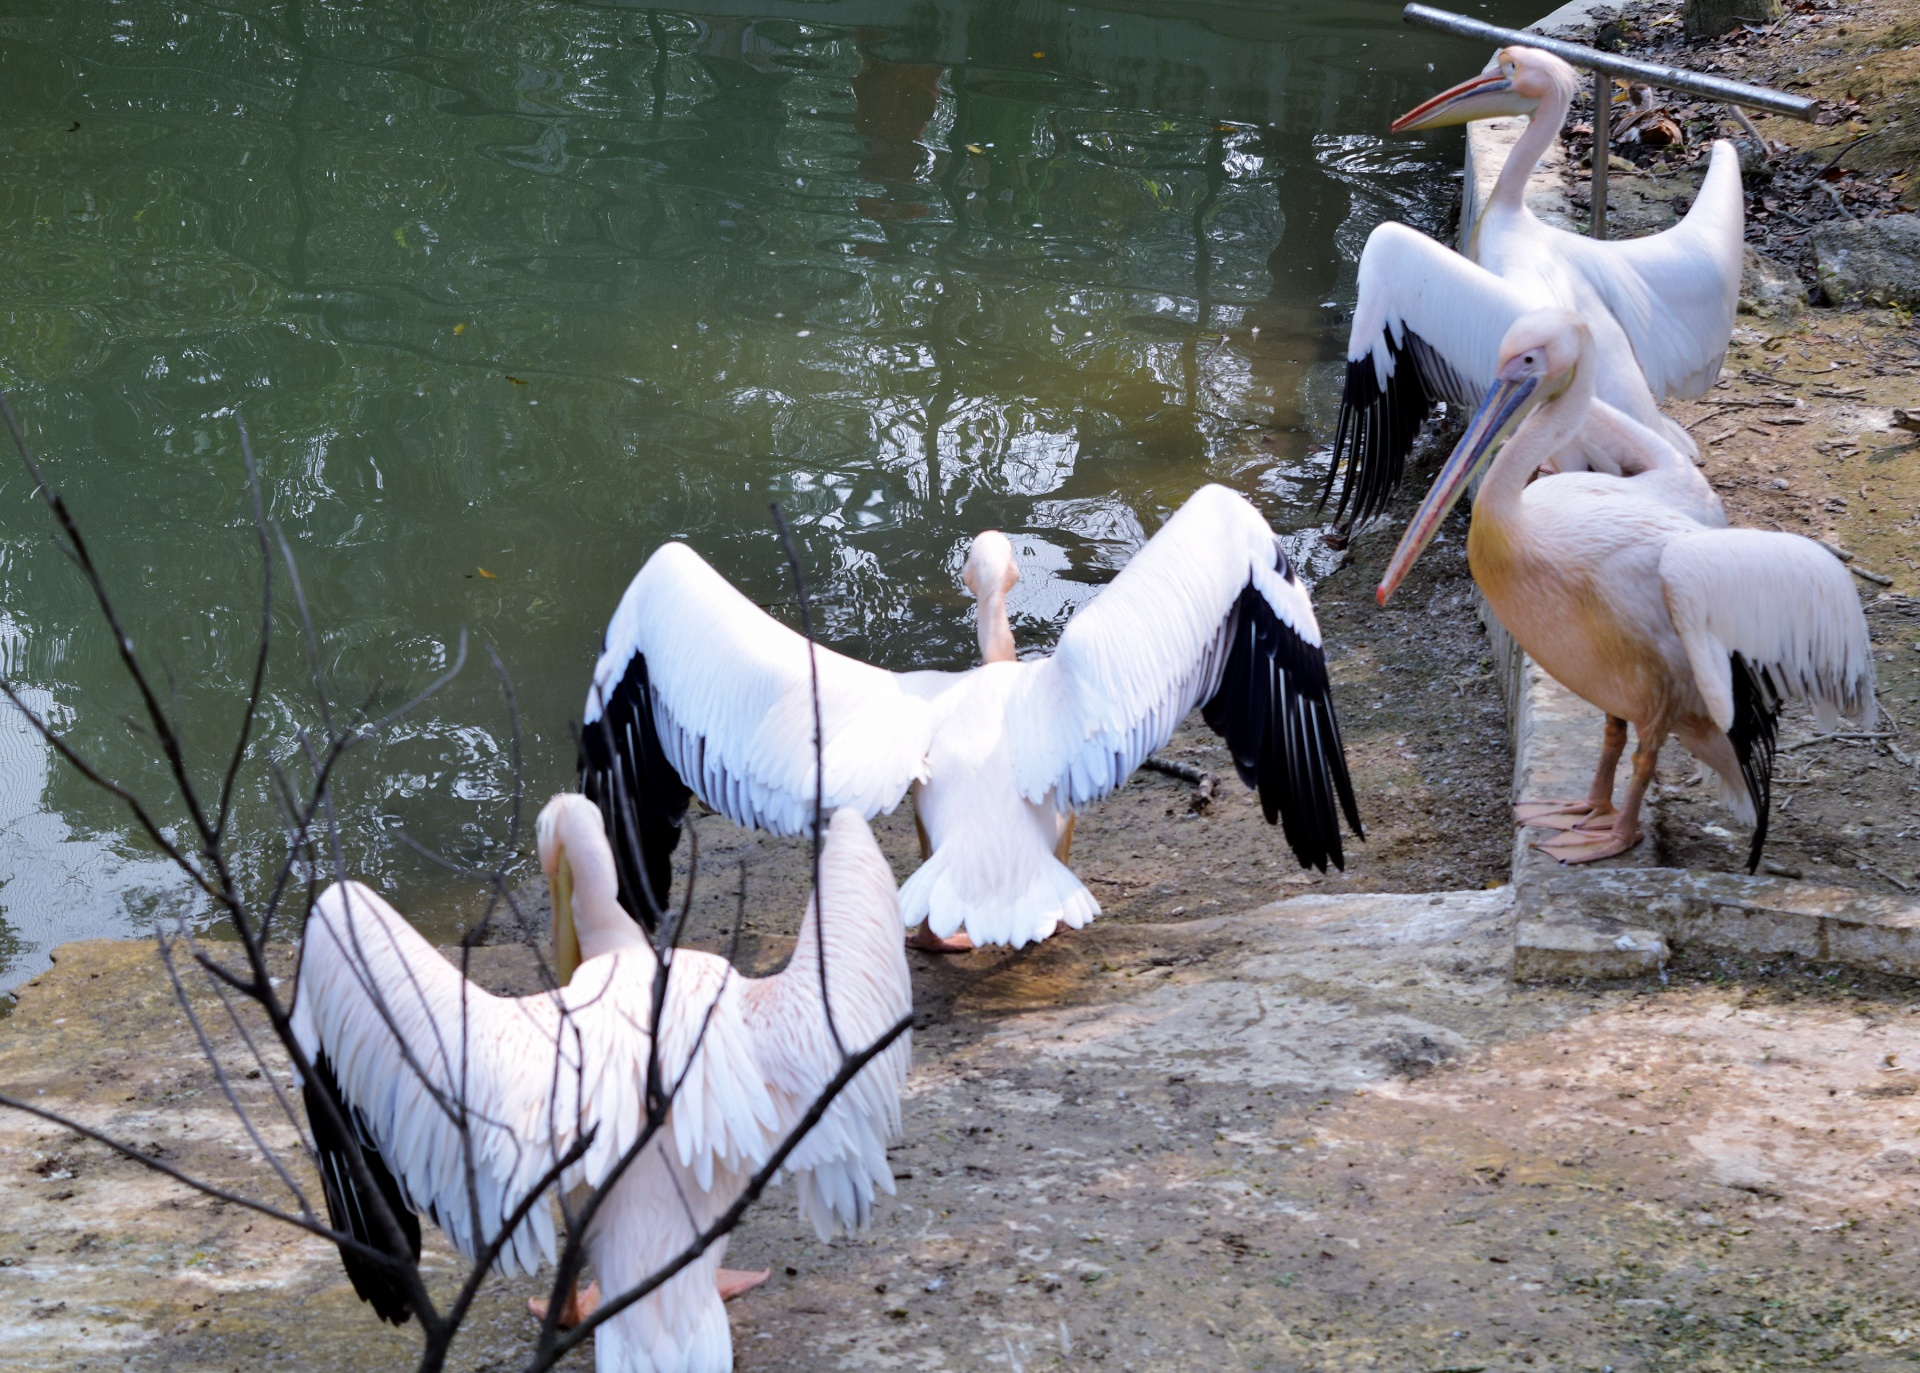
1599, 946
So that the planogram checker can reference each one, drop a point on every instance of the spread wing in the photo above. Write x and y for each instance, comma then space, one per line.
698, 688
468, 1100
1674, 292
1781, 602
1209, 613
842, 1161
1427, 326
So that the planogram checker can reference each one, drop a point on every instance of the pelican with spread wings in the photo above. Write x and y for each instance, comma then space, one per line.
463, 1102
1428, 322
700, 691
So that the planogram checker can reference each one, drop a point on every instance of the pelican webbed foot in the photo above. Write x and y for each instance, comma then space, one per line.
584, 1301
925, 940
581, 1303
1563, 815
1589, 845
737, 1282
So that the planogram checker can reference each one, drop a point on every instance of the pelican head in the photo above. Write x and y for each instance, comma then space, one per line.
990, 572
578, 862
1522, 80
1539, 360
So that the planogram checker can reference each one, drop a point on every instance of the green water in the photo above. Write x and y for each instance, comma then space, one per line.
510, 292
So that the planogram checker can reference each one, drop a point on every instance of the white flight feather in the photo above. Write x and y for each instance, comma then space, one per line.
1137, 658
1674, 292
1784, 604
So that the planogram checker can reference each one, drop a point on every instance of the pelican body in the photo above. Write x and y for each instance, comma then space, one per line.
1647, 613
1428, 321
699, 691
407, 1046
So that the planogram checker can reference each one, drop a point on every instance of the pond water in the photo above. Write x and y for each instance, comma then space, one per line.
509, 293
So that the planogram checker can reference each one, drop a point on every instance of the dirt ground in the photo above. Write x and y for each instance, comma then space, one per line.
1327, 1135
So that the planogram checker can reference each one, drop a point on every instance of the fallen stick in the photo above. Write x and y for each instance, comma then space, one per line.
1840, 736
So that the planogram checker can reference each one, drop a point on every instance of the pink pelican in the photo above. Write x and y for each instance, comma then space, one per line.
1428, 320
699, 690
464, 1100
1637, 608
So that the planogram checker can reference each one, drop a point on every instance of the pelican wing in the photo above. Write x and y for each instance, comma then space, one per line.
468, 1099
1784, 604
842, 1161
1209, 614
1674, 292
699, 688
1427, 326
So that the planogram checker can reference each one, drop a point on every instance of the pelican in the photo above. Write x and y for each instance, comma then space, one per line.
405, 1043
1428, 320
1642, 611
699, 690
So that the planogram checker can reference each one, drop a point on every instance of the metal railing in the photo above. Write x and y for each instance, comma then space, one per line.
1605, 66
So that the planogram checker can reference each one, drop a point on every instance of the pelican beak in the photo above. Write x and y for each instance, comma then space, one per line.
566, 940
1497, 414
1487, 96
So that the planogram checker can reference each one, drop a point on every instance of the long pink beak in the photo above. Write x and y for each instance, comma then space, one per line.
1504, 401
1484, 97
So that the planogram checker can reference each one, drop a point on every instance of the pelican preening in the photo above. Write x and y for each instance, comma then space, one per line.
411, 1050
699, 690
1428, 321
1650, 615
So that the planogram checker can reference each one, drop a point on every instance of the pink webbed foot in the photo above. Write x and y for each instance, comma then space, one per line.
927, 941
1585, 846
737, 1282
581, 1303
1562, 815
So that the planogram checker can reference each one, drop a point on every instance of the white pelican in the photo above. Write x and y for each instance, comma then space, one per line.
698, 688
1428, 320
1640, 610
405, 1041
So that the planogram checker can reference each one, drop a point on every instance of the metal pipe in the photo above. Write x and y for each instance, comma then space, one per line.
1602, 148
1648, 73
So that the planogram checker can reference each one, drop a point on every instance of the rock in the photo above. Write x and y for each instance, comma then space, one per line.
1711, 18
1770, 289
1756, 168
1869, 261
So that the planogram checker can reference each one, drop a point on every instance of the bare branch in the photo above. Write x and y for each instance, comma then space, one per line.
819, 766
550, 1353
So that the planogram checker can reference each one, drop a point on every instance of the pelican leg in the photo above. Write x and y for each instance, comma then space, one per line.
1586, 845
1064, 849
1596, 811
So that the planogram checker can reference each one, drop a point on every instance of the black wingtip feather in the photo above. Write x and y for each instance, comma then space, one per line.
1753, 734
625, 773
1274, 708
1376, 430
374, 1283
